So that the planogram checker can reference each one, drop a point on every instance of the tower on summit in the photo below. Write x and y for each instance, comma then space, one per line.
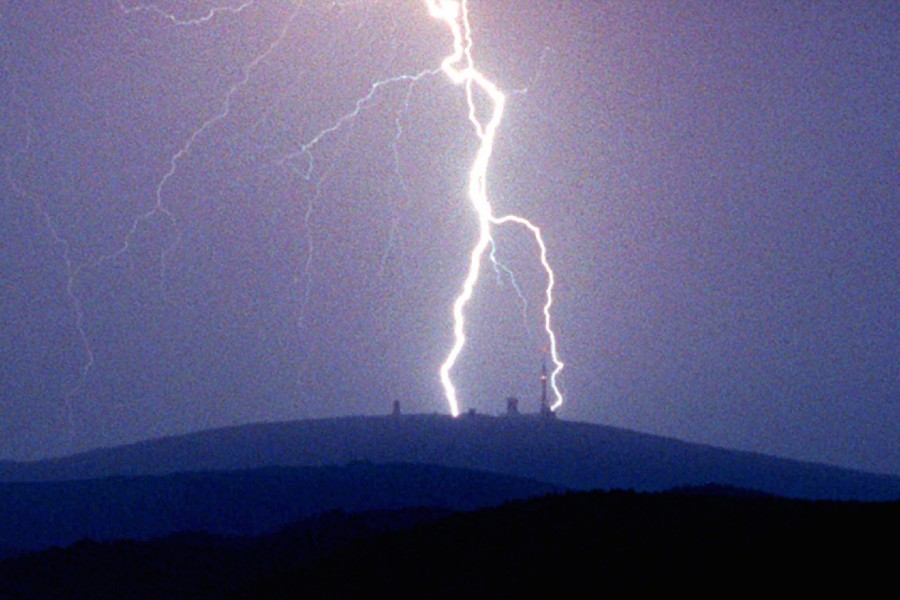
545, 407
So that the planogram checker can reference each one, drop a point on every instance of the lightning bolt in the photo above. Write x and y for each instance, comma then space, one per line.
210, 15
71, 269
398, 125
159, 207
459, 67
500, 269
307, 148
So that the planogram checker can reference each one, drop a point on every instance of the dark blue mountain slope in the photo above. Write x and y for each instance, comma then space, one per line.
570, 454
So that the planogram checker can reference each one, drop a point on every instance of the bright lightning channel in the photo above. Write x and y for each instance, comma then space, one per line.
460, 69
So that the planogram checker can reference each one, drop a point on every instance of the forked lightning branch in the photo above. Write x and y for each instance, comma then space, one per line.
459, 66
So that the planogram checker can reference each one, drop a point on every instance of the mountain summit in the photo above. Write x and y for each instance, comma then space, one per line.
568, 454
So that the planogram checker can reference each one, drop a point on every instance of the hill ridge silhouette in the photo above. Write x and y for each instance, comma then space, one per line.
565, 453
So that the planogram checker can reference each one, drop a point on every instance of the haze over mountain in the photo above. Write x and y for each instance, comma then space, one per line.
567, 454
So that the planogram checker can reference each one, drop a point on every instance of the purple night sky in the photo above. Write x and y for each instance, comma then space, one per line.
717, 183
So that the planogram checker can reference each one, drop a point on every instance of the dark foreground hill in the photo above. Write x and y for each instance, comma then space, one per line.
567, 545
569, 454
38, 515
